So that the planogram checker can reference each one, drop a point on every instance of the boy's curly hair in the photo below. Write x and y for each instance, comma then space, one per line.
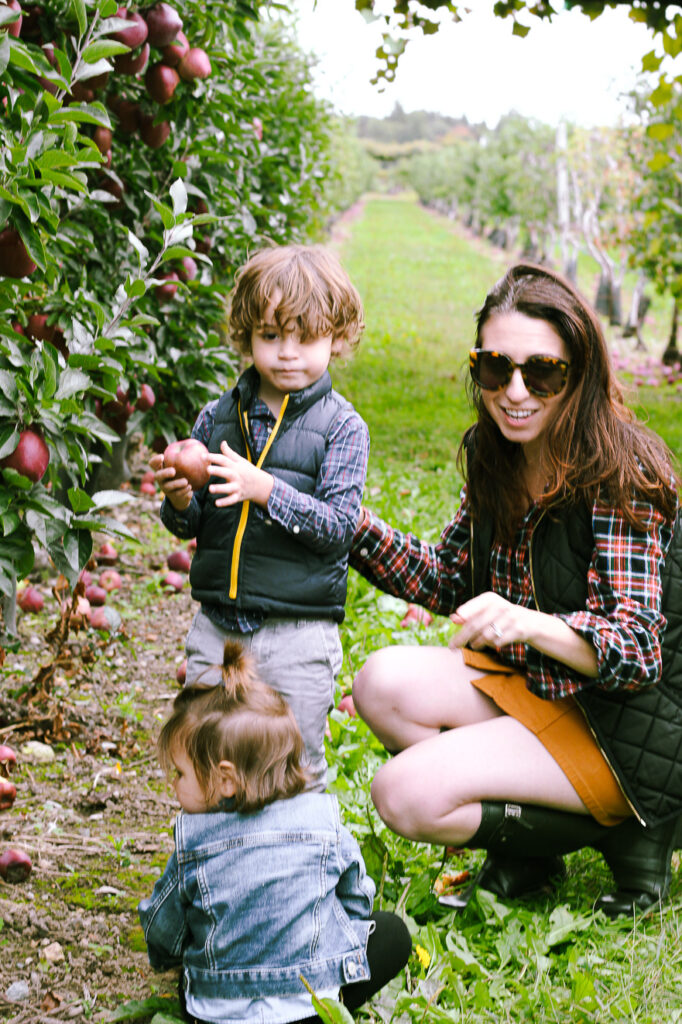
240, 720
316, 293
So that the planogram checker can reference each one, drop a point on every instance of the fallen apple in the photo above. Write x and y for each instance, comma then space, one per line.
78, 613
145, 399
15, 866
173, 581
149, 476
195, 64
30, 600
8, 794
175, 51
31, 456
107, 554
190, 459
181, 674
147, 488
105, 618
14, 258
346, 704
96, 595
161, 82
8, 760
135, 33
110, 580
85, 576
180, 561
416, 615
163, 24
153, 134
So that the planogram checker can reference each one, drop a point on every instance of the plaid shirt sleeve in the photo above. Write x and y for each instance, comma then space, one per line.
327, 518
185, 524
623, 619
435, 576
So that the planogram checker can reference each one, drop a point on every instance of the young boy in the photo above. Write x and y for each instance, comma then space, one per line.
288, 464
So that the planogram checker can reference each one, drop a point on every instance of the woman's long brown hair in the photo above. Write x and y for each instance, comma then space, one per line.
594, 447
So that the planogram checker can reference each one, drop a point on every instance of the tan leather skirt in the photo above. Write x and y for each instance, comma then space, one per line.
561, 728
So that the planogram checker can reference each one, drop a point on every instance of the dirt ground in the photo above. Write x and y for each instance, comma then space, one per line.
96, 819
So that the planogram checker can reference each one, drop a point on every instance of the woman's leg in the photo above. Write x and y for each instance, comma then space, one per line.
409, 694
432, 791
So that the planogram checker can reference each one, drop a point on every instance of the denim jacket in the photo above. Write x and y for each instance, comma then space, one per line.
249, 902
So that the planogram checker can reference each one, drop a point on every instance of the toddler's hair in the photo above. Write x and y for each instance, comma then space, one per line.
316, 292
240, 720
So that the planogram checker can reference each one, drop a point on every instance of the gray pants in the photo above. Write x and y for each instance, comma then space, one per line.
300, 658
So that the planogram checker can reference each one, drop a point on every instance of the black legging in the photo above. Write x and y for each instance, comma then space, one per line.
388, 950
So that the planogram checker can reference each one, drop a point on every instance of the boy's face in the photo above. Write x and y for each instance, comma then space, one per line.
284, 361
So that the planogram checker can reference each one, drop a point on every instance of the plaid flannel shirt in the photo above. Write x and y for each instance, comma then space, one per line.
318, 519
622, 618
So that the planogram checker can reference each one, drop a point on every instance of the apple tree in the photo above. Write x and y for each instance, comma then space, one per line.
142, 154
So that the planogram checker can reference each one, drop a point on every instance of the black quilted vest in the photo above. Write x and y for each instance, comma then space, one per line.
639, 733
243, 558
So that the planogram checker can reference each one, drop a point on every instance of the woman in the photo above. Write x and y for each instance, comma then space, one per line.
554, 721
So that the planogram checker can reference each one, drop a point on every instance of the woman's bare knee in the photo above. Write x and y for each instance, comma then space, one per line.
374, 685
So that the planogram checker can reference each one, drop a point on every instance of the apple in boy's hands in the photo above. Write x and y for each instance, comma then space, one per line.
190, 459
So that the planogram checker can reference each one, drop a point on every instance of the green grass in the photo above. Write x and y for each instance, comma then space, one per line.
551, 959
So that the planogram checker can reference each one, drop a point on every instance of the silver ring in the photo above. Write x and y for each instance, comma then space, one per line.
496, 630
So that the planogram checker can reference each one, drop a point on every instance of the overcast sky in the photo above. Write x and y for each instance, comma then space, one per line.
572, 68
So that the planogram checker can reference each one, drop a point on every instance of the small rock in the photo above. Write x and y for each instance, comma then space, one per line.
17, 992
38, 753
53, 953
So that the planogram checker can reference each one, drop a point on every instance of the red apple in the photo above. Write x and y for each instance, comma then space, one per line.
190, 459
132, 63
135, 33
102, 137
149, 476
107, 554
110, 580
8, 760
96, 595
346, 704
85, 576
14, 258
145, 399
79, 614
181, 674
38, 328
14, 28
128, 114
98, 81
175, 51
163, 23
173, 581
165, 292
15, 866
195, 64
188, 269
30, 457
8, 794
153, 135
192, 544
99, 618
416, 615
147, 488
161, 82
30, 600
180, 561
81, 93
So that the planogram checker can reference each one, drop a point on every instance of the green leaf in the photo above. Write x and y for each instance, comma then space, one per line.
8, 384
88, 113
67, 181
136, 288
140, 1009
659, 160
179, 196
4, 52
103, 48
80, 500
78, 8
110, 499
651, 61
71, 382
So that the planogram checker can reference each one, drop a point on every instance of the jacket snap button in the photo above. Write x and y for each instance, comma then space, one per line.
296, 529
364, 552
352, 969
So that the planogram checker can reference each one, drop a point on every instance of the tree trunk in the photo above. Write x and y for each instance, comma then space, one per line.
672, 353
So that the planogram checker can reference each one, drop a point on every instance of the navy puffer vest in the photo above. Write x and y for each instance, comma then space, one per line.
243, 558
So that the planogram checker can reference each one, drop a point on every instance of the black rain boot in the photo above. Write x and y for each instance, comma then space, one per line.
640, 862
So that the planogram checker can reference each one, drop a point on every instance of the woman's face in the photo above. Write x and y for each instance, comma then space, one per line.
521, 416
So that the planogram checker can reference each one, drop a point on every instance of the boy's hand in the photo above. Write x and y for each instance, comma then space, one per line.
243, 481
177, 490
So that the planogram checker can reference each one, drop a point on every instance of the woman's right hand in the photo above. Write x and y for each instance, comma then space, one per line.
176, 489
